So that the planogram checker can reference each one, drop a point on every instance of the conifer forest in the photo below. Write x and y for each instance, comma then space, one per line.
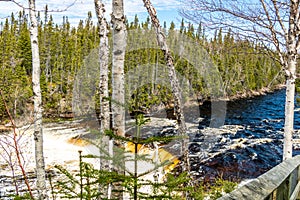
243, 65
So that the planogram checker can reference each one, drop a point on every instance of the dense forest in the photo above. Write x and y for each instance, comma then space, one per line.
243, 65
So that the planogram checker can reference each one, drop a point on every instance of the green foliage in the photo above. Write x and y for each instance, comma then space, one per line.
90, 183
14, 80
22, 197
62, 51
221, 187
83, 185
243, 65
297, 85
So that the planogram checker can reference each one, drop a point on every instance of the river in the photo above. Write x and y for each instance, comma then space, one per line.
248, 145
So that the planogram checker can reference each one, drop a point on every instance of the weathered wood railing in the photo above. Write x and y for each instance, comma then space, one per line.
280, 183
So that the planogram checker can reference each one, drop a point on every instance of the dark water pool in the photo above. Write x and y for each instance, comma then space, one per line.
262, 110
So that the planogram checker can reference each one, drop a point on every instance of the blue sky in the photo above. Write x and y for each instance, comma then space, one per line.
167, 10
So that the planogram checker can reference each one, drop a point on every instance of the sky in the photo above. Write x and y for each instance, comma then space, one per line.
167, 10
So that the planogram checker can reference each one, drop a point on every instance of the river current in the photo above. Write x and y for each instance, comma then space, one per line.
250, 142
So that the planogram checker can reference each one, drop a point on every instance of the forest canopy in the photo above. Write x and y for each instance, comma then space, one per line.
243, 65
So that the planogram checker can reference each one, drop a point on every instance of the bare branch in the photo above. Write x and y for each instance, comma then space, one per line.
279, 18
16, 146
297, 24
273, 32
263, 20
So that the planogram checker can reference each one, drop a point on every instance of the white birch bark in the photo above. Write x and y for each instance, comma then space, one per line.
118, 87
289, 111
119, 45
103, 89
176, 90
161, 39
103, 60
292, 40
38, 128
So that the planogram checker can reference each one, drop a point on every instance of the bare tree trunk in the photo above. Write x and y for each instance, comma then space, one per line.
289, 112
292, 44
119, 45
103, 58
103, 88
161, 39
38, 128
118, 88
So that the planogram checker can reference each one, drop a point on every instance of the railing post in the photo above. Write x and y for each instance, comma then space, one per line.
293, 181
279, 183
298, 178
295, 194
283, 190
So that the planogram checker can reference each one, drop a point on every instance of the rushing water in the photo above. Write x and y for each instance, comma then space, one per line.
261, 112
266, 110
249, 145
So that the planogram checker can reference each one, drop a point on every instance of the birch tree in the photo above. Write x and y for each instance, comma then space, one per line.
118, 87
161, 39
103, 87
103, 60
37, 98
119, 45
274, 24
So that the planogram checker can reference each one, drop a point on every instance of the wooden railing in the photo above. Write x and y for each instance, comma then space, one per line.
280, 183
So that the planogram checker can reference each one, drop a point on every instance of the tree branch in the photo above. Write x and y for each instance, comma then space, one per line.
280, 18
16, 146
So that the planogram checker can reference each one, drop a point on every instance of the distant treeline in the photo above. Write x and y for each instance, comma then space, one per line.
243, 65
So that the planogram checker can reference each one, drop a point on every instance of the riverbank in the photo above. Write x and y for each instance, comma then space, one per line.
255, 93
5, 125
